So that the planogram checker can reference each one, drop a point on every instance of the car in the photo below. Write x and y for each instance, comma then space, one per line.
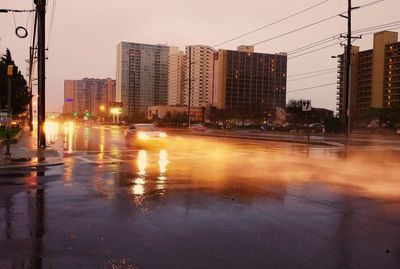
267, 127
316, 128
197, 127
144, 134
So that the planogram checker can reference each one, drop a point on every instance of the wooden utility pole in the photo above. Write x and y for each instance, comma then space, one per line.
41, 13
347, 78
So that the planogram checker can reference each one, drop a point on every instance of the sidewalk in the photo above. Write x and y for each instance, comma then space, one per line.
25, 153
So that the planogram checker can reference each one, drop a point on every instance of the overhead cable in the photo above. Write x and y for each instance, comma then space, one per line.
312, 76
313, 87
273, 23
312, 72
313, 24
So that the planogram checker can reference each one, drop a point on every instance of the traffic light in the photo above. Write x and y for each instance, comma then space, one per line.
87, 114
75, 114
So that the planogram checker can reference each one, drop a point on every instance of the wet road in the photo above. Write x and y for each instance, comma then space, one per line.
202, 203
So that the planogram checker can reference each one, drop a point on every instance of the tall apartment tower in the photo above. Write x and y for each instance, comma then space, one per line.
201, 65
375, 76
88, 95
176, 76
142, 77
249, 81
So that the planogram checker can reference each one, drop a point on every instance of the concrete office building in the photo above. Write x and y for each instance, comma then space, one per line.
142, 77
88, 95
375, 76
248, 81
176, 79
202, 71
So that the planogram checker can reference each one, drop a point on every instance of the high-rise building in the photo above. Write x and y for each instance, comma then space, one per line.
200, 63
249, 81
176, 76
374, 76
88, 95
142, 77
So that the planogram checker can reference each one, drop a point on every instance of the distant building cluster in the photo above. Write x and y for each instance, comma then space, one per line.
88, 96
375, 76
149, 76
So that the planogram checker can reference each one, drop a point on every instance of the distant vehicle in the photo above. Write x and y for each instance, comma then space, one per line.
144, 134
316, 128
267, 127
4, 119
197, 127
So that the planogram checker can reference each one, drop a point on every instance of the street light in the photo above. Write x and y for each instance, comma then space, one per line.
116, 112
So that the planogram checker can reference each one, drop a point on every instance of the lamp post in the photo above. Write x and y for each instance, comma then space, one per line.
102, 110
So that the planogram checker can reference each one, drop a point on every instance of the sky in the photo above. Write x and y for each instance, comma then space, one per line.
84, 34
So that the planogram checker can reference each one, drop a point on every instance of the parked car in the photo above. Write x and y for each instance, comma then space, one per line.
144, 134
197, 127
316, 128
267, 127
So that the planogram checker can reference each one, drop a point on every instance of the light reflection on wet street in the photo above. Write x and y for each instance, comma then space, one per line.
201, 202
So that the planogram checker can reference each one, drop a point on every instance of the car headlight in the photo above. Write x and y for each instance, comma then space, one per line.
163, 135
142, 136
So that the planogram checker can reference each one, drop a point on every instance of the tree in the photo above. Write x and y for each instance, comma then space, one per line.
20, 95
295, 109
386, 115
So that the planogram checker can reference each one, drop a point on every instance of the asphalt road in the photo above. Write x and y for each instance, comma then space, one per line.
202, 202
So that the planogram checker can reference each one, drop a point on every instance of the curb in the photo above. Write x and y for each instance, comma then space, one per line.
272, 139
29, 165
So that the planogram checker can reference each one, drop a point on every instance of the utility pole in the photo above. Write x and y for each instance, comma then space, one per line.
347, 78
190, 86
41, 12
32, 56
347, 82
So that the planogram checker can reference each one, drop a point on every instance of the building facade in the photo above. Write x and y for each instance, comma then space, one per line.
142, 77
375, 76
248, 81
200, 65
176, 76
88, 95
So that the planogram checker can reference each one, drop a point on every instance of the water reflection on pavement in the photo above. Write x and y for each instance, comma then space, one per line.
202, 203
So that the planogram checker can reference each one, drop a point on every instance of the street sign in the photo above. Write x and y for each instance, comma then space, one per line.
68, 100
306, 105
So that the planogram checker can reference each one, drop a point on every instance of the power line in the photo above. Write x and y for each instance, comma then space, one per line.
331, 45
312, 72
313, 87
313, 24
312, 45
259, 16
395, 25
273, 23
295, 30
376, 27
312, 76
53, 11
